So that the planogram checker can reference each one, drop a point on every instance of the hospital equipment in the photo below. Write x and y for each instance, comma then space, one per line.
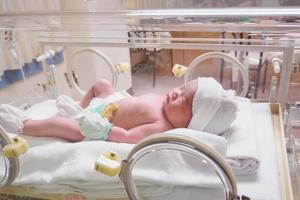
266, 118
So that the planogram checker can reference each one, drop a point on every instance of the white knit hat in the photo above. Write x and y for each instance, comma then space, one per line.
214, 108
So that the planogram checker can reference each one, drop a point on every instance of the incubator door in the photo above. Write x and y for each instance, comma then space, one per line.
175, 167
9, 167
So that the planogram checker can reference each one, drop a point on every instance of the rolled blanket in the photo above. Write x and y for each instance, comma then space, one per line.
213, 108
243, 165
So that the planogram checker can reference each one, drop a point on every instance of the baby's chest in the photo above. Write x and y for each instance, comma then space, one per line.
136, 114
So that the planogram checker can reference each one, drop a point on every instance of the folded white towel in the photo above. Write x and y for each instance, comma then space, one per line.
242, 150
213, 107
243, 165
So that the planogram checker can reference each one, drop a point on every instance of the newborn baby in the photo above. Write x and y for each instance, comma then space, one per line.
201, 104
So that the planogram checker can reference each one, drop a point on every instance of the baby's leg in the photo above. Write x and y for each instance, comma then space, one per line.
101, 88
59, 127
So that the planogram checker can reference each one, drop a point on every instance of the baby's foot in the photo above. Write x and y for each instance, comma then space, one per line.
67, 107
12, 119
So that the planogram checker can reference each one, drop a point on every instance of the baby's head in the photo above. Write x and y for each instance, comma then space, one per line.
202, 104
178, 104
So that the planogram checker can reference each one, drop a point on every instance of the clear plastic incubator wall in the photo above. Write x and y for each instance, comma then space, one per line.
50, 48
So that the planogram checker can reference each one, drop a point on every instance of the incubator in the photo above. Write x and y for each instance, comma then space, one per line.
50, 48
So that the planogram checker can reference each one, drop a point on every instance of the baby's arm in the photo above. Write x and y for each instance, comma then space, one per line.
134, 135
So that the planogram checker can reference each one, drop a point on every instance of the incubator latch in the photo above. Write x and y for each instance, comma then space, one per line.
17, 147
108, 164
179, 70
122, 67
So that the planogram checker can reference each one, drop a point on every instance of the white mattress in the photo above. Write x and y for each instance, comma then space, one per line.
262, 185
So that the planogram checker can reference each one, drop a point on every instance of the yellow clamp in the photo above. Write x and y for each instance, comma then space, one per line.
16, 148
179, 70
108, 164
123, 67
109, 110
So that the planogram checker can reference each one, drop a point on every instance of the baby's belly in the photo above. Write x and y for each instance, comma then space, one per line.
126, 121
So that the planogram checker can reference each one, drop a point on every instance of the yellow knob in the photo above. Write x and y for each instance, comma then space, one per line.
179, 70
16, 148
108, 164
123, 67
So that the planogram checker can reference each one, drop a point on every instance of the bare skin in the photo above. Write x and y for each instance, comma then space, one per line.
136, 118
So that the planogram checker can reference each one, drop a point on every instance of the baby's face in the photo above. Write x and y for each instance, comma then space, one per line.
177, 104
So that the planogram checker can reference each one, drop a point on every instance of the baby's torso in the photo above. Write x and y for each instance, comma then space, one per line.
135, 111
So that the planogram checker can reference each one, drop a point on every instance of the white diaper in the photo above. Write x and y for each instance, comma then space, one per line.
92, 124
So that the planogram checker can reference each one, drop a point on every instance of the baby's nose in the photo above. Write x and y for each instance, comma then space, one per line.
174, 95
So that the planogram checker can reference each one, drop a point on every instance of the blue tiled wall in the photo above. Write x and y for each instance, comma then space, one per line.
29, 69
32, 68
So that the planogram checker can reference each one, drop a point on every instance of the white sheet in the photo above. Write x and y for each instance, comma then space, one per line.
72, 168
43, 110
